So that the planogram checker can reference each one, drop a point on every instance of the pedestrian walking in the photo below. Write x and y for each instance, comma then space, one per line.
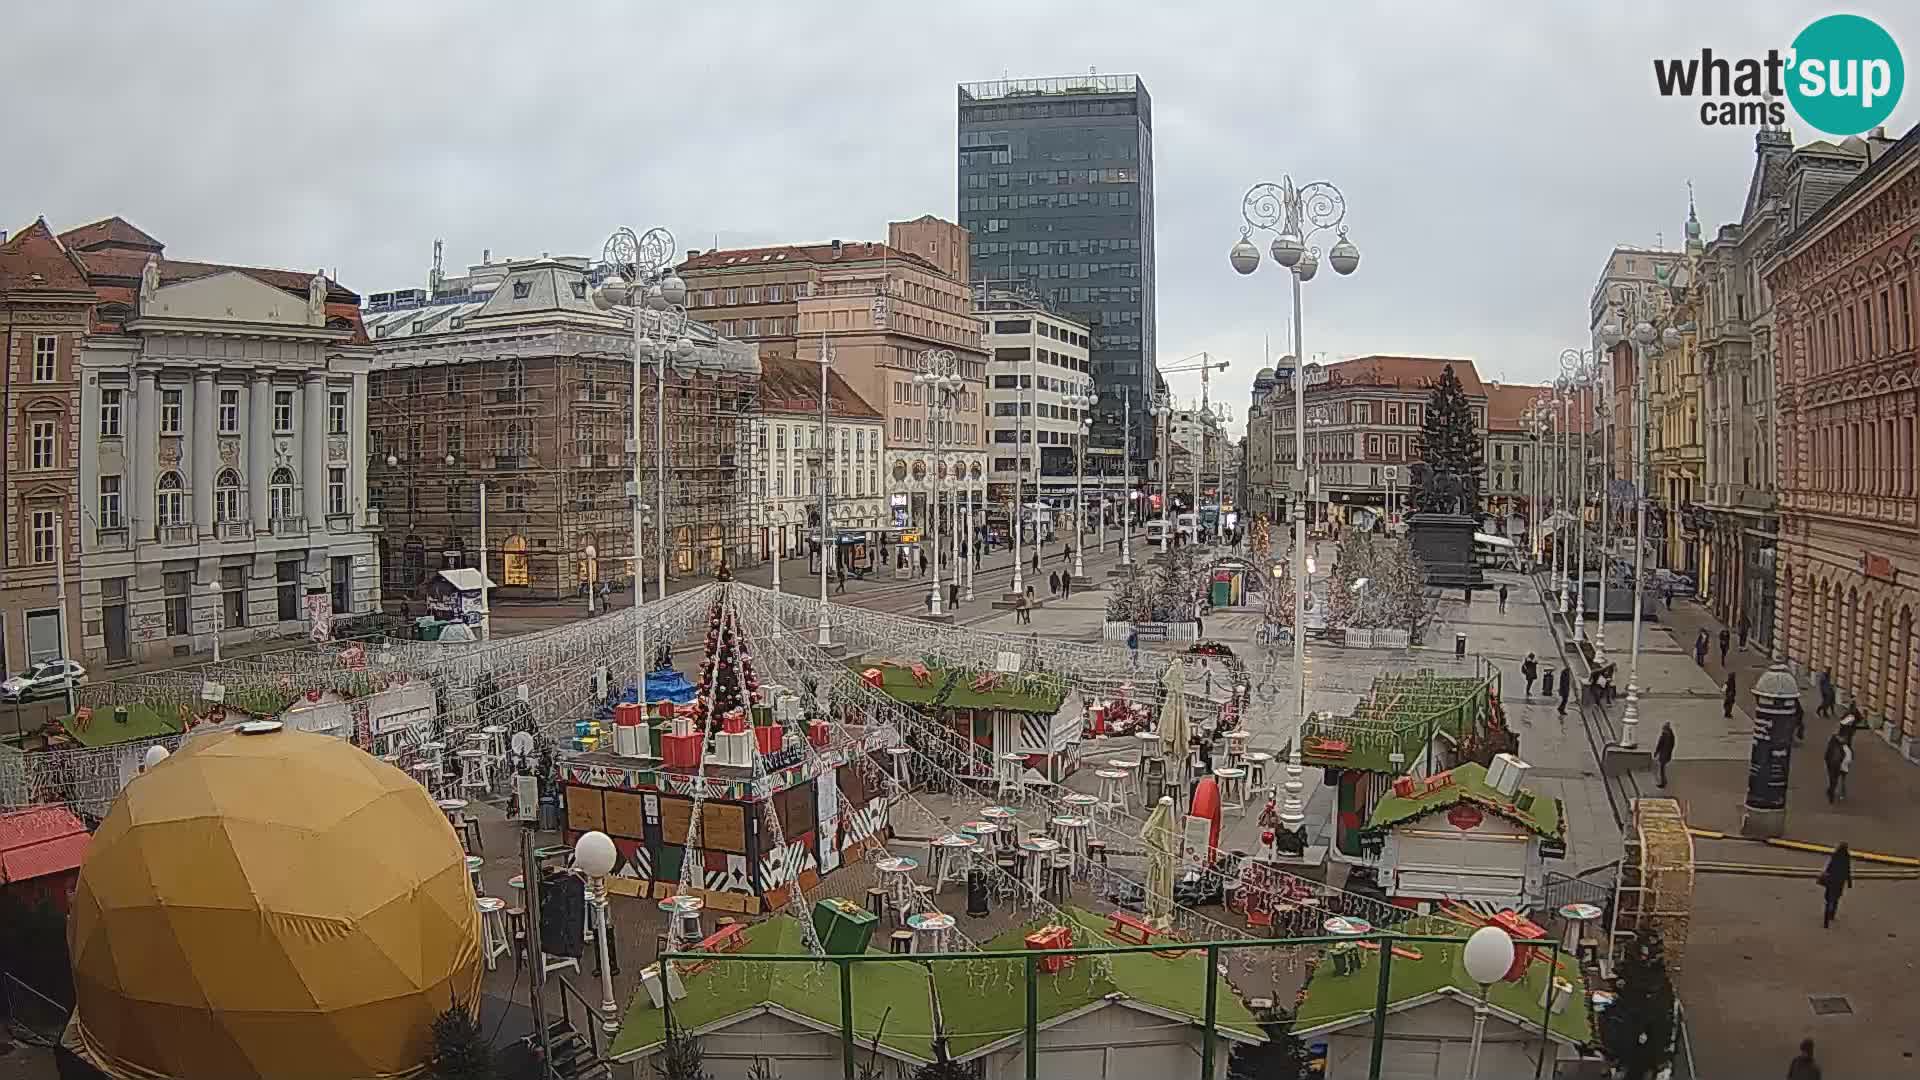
1726, 637
1728, 696
1825, 683
1700, 649
1503, 599
1663, 752
1036, 560
1743, 633
1837, 878
923, 564
1066, 551
953, 594
1529, 670
1053, 584
1566, 687
1799, 721
1838, 758
1133, 647
1804, 1067
929, 599
1066, 586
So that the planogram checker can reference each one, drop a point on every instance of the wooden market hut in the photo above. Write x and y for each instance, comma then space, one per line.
1037, 716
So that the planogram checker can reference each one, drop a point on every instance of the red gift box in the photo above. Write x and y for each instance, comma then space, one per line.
665, 705
872, 677
769, 738
818, 732
1052, 937
734, 722
681, 751
626, 715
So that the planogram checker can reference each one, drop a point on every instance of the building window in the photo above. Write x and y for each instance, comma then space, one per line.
110, 413
342, 568
337, 412
171, 500
41, 440
753, 294
169, 412
286, 589
456, 437
522, 290
226, 496
280, 494
110, 502
337, 492
41, 536
177, 585
233, 596
283, 411
732, 296
46, 350
229, 412
773, 294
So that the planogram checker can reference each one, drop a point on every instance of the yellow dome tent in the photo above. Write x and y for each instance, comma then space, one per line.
270, 903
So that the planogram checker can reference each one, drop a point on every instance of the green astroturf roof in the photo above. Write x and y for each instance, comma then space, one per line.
1469, 786
143, 722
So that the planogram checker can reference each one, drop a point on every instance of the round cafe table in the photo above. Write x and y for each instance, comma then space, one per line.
983, 833
947, 858
1007, 819
896, 877
1039, 852
930, 930
683, 918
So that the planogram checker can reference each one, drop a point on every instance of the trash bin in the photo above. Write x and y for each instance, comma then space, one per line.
1460, 645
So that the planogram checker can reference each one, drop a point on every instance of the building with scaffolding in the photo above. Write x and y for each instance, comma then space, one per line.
505, 397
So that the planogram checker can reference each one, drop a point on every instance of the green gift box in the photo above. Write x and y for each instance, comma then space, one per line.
843, 927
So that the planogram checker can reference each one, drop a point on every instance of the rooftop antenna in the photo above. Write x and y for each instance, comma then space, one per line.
434, 278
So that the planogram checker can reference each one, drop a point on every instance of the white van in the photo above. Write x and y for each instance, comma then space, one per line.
1189, 526
1157, 532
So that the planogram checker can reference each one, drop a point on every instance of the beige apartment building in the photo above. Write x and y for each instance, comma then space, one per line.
877, 308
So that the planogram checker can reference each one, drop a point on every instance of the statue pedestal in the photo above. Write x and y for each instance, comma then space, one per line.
1444, 545
1758, 824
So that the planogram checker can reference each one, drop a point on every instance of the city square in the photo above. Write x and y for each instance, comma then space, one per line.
1061, 589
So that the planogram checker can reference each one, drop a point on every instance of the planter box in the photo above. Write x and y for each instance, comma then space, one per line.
1151, 631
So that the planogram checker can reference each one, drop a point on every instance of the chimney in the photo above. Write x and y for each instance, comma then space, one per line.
691, 252
836, 249
486, 256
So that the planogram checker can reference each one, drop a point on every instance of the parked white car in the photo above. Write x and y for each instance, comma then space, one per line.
45, 679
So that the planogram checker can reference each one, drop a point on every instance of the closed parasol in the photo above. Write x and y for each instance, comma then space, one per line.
1158, 836
1173, 718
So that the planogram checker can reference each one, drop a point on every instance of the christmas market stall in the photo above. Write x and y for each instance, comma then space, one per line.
1470, 833
733, 796
1417, 725
1037, 716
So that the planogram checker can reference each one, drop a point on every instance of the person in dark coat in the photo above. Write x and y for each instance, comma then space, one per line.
1825, 683
1836, 759
1066, 586
1726, 638
1804, 1067
1744, 627
1566, 687
1729, 696
1503, 599
1700, 649
1529, 670
953, 594
1663, 752
1799, 721
1836, 879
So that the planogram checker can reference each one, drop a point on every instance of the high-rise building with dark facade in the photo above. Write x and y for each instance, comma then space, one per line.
1056, 188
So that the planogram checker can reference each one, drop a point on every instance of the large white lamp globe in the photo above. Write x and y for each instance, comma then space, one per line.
1489, 955
594, 856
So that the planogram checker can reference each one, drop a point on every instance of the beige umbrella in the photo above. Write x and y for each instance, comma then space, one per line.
1159, 838
1173, 720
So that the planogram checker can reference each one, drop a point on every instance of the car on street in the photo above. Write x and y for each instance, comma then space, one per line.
45, 679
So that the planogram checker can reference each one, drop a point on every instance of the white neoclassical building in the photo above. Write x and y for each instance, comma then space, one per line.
222, 479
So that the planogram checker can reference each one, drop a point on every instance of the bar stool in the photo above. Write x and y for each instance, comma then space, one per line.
474, 863
496, 741
1012, 777
1153, 773
1175, 790
930, 930
947, 858
494, 936
877, 902
435, 752
474, 775
683, 919
901, 943
517, 931
1080, 803
1131, 787
427, 774
982, 834
902, 775
1233, 787
1060, 876
1096, 853
1113, 799
1257, 764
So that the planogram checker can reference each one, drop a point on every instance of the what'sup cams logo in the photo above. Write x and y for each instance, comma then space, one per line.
1843, 76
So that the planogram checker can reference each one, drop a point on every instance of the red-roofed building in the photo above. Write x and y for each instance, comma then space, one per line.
789, 458
41, 849
222, 476
1363, 429
44, 314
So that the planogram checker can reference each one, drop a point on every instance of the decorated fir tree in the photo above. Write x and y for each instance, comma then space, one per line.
460, 1049
727, 679
1636, 1031
1282, 1057
1447, 478
1279, 606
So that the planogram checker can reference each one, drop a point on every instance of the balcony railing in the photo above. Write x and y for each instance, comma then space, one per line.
234, 530
111, 539
179, 535
289, 526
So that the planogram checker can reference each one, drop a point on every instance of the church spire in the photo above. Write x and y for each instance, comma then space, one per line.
1694, 244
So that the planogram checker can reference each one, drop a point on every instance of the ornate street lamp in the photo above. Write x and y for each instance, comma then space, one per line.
939, 372
1295, 216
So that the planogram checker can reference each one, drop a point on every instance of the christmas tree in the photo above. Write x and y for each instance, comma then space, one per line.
1393, 595
1279, 608
727, 679
1282, 1057
1449, 447
1636, 1031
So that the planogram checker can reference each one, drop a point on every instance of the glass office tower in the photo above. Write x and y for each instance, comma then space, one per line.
1056, 187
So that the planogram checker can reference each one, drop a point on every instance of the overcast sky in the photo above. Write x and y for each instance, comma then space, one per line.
1490, 153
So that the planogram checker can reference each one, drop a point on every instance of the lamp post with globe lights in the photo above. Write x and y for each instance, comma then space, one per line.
1487, 956
1643, 336
1563, 489
594, 855
1081, 402
592, 554
1610, 338
636, 272
1295, 216
939, 372
1583, 366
